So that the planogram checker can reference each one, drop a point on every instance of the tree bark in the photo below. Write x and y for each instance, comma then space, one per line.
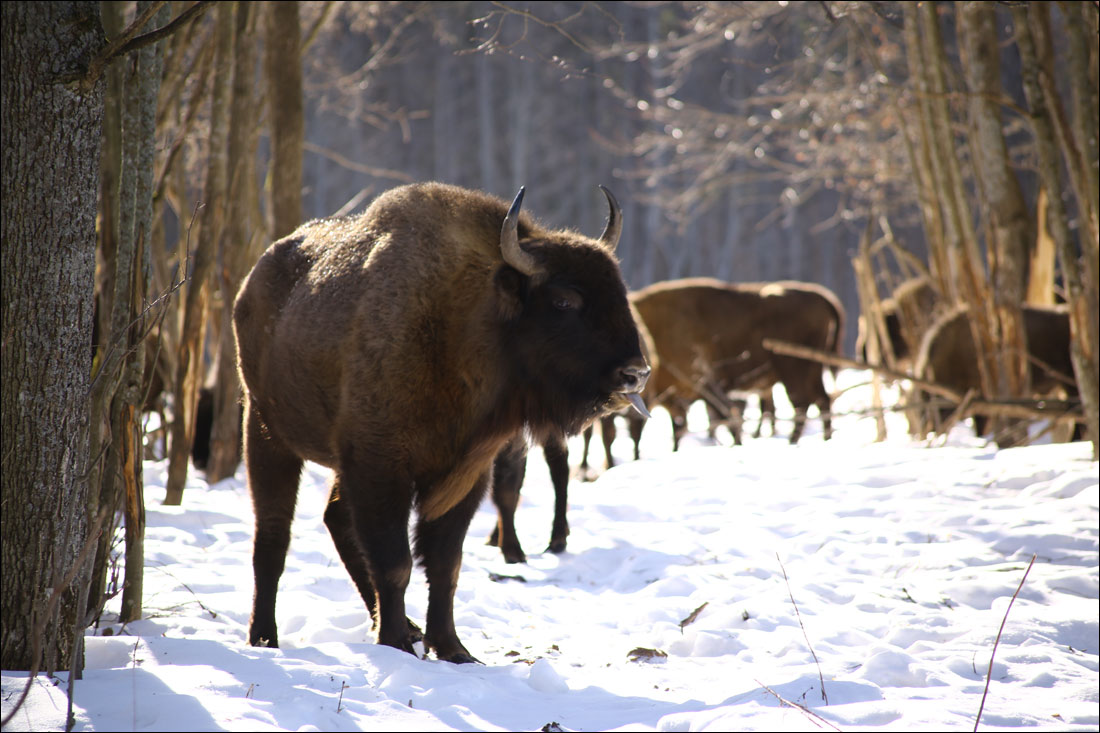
50, 136
1009, 227
236, 249
1036, 56
283, 71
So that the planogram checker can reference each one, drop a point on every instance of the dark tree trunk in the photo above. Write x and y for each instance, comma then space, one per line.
50, 135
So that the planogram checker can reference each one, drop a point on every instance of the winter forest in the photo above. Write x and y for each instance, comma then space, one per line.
913, 158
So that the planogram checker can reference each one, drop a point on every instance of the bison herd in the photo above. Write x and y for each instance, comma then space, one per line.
417, 348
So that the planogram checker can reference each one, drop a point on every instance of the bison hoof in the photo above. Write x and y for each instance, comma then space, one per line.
261, 638
556, 546
457, 655
513, 556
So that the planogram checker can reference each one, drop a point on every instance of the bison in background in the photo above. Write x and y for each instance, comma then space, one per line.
405, 347
907, 314
947, 356
709, 337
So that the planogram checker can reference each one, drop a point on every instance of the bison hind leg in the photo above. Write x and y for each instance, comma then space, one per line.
340, 524
273, 475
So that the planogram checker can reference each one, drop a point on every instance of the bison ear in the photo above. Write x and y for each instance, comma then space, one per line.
511, 289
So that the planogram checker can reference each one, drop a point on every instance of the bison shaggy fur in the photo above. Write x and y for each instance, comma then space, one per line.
405, 347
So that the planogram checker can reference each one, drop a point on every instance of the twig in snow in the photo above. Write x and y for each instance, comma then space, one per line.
997, 641
803, 708
343, 686
692, 616
824, 696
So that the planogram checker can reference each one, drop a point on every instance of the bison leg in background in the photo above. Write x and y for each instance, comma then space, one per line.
338, 520
767, 412
584, 454
509, 469
735, 422
607, 434
439, 549
636, 425
805, 386
273, 475
557, 460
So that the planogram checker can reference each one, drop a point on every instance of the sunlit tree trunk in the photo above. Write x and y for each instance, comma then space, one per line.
286, 116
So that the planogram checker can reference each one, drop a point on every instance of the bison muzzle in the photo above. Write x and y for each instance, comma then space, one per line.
404, 348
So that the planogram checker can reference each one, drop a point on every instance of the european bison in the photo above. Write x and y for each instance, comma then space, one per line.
906, 314
947, 355
404, 348
709, 336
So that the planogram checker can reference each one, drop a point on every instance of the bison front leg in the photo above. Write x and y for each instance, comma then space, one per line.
273, 475
439, 547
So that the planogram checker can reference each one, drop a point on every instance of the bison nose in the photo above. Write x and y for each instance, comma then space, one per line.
633, 377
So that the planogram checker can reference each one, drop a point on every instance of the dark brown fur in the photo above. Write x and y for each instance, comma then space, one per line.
947, 355
709, 336
399, 348
915, 302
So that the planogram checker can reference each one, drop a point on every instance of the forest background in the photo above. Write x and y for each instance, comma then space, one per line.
152, 150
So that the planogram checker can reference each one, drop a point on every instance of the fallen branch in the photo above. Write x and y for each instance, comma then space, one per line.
1033, 409
989, 672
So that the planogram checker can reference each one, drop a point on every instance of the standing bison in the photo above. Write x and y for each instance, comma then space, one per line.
947, 356
404, 348
709, 336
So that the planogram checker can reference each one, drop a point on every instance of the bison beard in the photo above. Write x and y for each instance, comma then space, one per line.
404, 348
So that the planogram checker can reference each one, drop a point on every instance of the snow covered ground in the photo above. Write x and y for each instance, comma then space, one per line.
672, 609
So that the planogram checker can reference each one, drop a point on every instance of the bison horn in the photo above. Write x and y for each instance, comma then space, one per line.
610, 236
515, 255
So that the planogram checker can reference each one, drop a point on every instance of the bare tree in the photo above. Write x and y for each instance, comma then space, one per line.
238, 250
190, 369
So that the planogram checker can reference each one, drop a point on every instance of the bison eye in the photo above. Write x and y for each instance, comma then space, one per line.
565, 299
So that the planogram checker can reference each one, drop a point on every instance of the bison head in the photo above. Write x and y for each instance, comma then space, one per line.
568, 323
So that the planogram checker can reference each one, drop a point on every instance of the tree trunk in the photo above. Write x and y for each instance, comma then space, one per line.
1036, 56
225, 434
50, 135
1008, 222
283, 71
189, 370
